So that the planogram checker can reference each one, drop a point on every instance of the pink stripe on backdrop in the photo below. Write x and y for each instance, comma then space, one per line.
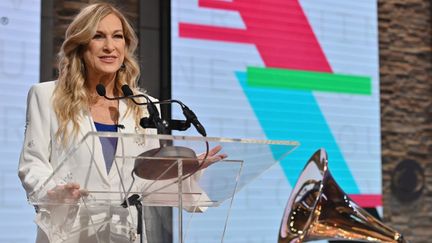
279, 29
205, 32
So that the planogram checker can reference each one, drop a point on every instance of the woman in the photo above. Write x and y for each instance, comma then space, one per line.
99, 48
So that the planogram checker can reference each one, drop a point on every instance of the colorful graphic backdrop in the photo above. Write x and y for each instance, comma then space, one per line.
303, 70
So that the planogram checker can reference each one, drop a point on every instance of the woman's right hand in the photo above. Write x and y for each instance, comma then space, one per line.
67, 193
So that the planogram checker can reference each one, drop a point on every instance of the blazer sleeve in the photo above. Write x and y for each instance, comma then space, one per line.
34, 164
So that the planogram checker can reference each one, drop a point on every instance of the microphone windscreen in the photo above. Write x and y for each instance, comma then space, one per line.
100, 89
126, 90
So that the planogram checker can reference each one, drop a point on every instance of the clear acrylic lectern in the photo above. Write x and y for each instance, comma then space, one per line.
147, 170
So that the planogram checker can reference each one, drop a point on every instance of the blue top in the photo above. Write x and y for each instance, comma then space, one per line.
109, 145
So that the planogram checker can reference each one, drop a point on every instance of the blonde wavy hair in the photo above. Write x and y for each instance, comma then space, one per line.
71, 96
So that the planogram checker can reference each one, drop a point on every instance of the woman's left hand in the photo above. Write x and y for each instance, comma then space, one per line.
213, 156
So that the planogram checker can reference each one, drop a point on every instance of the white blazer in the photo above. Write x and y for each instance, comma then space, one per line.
40, 157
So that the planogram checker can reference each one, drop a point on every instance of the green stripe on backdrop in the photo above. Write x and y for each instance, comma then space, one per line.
310, 81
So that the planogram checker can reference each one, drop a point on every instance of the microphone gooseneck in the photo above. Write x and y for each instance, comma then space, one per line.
154, 115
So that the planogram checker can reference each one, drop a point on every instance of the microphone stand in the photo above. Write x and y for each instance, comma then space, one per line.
154, 116
154, 121
134, 201
187, 112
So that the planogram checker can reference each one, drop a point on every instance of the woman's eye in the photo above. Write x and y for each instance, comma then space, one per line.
97, 36
118, 36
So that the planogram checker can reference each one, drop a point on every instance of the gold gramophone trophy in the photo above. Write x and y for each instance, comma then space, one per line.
318, 209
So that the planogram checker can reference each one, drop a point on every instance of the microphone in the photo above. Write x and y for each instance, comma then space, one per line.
120, 126
126, 90
100, 89
190, 116
188, 113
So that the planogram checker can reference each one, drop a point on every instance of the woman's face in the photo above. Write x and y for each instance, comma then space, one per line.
105, 52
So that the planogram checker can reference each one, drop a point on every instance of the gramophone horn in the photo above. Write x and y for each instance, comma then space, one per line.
318, 209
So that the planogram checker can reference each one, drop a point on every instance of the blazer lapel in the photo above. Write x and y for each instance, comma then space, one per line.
125, 121
128, 126
123, 144
94, 145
